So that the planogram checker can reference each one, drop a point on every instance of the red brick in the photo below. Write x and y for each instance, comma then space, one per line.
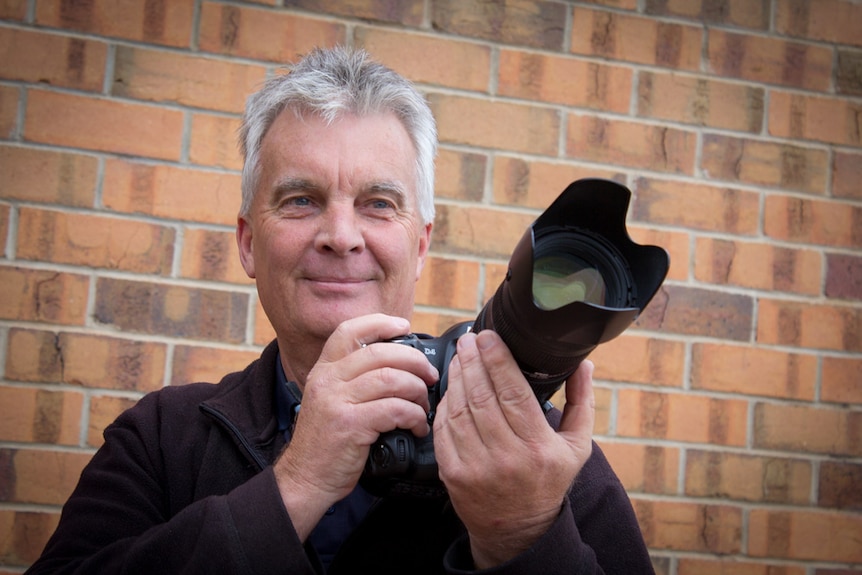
199, 82
685, 526
636, 359
500, 125
407, 12
38, 175
631, 144
264, 34
5, 210
40, 416
805, 429
805, 535
744, 13
844, 276
814, 326
94, 241
562, 80
171, 192
675, 243
769, 60
168, 23
644, 468
24, 472
13, 9
841, 381
536, 184
172, 310
449, 283
479, 231
442, 61
848, 77
696, 206
92, 123
753, 371
213, 141
747, 477
697, 311
759, 266
192, 363
700, 101
812, 221
834, 21
822, 118
535, 23
9, 98
104, 409
52, 59
619, 36
212, 255
765, 163
23, 535
733, 566
41, 295
681, 417
846, 175
263, 330
839, 485
460, 175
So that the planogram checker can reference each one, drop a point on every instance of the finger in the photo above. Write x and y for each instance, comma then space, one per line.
579, 412
480, 394
389, 382
388, 413
352, 334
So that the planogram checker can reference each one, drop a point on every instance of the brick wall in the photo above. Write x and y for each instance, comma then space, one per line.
732, 410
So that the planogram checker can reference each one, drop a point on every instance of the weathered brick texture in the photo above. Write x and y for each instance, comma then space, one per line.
731, 410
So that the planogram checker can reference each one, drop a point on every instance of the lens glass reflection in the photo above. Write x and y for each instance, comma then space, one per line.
559, 280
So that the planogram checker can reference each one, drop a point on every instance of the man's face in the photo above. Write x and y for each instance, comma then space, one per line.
334, 230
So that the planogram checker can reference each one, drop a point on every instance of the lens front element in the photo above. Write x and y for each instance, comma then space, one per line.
561, 279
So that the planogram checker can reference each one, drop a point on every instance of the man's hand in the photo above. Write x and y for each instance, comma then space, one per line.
352, 395
507, 471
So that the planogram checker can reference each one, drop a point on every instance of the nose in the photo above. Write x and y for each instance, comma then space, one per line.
340, 231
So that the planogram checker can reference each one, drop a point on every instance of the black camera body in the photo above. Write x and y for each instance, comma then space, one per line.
575, 280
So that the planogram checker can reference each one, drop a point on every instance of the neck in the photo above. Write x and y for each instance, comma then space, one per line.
297, 358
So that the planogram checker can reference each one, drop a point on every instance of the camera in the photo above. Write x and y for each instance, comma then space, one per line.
574, 280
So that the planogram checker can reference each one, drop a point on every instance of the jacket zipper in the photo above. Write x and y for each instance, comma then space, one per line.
244, 442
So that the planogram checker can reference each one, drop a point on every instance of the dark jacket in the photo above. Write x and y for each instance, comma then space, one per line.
184, 483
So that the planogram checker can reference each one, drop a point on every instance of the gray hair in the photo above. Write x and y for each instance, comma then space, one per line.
330, 83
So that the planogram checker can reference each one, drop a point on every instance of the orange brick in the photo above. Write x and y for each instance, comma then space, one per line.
680, 417
449, 283
765, 163
696, 206
801, 428
104, 409
43, 477
37, 175
753, 371
733, 566
837, 21
675, 243
758, 265
484, 232
172, 310
460, 175
744, 13
407, 12
494, 276
195, 81
9, 97
814, 326
428, 59
623, 4
40, 416
13, 9
212, 255
536, 23
747, 477
644, 468
841, 381
92, 123
435, 323
500, 125
4, 226
701, 101
604, 398
769, 60
636, 359
630, 144
562, 80
41, 295
94, 241
813, 221
171, 192
263, 330
684, 526
168, 23
696, 311
52, 59
213, 141
805, 535
263, 34
23, 535
822, 118
618, 36
208, 364
839, 485
844, 276
846, 175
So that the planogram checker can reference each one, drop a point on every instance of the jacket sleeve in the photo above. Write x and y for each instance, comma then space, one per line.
123, 516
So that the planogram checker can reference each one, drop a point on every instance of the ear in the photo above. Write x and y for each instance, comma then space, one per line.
424, 243
244, 243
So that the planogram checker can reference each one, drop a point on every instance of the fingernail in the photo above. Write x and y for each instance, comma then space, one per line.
485, 340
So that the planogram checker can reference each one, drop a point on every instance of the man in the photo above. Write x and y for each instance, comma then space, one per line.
238, 478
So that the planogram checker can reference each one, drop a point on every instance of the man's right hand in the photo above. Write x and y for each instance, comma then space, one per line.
353, 393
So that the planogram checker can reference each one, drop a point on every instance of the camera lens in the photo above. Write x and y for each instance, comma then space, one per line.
559, 280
